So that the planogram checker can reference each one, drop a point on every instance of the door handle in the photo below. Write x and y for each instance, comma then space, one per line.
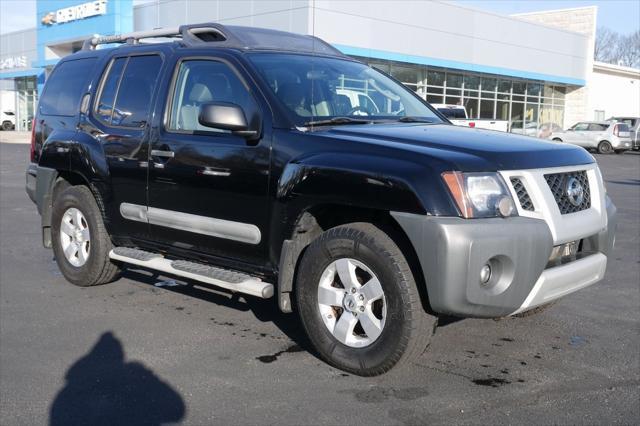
159, 153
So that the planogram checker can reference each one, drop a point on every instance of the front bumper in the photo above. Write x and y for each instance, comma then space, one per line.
452, 251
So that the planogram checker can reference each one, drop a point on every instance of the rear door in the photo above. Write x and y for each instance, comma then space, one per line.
120, 115
208, 187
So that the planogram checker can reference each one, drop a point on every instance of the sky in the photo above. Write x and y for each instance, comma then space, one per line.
622, 16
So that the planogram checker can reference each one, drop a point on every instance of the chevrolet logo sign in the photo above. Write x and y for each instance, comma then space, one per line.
49, 19
75, 13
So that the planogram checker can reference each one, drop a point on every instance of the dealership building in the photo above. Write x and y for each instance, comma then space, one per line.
528, 69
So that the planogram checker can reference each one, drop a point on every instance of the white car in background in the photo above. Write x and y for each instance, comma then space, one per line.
604, 136
457, 114
7, 120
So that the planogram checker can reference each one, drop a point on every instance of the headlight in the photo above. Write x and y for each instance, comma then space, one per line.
480, 194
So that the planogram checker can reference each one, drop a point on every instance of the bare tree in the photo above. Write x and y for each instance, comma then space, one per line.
606, 45
629, 50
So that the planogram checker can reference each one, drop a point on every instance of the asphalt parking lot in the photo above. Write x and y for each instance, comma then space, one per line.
136, 353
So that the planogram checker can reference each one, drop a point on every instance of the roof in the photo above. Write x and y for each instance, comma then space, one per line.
217, 35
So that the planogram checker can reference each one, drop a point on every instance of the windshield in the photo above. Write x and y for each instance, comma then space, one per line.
316, 89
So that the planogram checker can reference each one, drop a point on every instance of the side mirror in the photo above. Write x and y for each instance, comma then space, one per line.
226, 116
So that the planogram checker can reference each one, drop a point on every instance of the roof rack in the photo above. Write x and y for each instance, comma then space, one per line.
224, 36
189, 34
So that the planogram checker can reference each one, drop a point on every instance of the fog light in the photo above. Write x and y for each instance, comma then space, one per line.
485, 274
505, 206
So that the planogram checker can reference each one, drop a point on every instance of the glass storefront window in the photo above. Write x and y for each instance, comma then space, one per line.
434, 99
454, 80
518, 87
486, 108
504, 86
410, 75
471, 82
453, 100
531, 113
436, 90
472, 107
502, 111
558, 92
435, 78
488, 84
533, 89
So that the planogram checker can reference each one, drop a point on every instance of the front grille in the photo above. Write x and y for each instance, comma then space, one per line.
523, 195
558, 184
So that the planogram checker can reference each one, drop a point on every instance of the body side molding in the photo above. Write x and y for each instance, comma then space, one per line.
236, 231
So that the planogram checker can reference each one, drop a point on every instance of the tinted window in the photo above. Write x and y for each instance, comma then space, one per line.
65, 87
581, 126
200, 82
453, 112
594, 127
109, 89
125, 99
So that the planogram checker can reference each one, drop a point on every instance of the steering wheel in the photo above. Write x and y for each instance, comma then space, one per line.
355, 109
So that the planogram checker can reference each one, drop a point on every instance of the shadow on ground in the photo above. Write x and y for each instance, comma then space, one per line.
102, 388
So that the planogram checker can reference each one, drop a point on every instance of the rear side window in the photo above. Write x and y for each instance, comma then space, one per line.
595, 127
65, 87
127, 89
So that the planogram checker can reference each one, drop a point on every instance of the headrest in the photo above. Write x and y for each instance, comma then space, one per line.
200, 93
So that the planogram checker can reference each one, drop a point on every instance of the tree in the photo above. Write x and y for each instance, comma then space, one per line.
629, 50
606, 45
613, 48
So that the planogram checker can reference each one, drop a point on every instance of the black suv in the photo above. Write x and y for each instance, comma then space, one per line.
269, 163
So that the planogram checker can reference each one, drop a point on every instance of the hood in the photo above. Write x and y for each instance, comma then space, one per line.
467, 149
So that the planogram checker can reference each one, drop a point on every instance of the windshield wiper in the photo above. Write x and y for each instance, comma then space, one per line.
337, 120
410, 119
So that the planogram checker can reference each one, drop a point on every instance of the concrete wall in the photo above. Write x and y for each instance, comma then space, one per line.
285, 15
614, 90
583, 21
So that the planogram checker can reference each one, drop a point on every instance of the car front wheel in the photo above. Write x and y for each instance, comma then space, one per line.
359, 303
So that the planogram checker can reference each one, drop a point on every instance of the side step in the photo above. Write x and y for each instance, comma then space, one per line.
231, 280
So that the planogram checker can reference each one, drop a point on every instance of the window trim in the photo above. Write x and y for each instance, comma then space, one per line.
103, 79
171, 96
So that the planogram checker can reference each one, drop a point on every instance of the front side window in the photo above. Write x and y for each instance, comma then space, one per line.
127, 90
581, 126
316, 88
199, 82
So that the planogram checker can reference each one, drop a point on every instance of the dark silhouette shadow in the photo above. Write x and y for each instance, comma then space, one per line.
264, 310
103, 389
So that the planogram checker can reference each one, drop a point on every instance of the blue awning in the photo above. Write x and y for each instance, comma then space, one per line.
22, 73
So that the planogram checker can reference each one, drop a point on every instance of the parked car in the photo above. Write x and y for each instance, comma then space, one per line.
634, 129
457, 114
533, 129
219, 158
7, 120
604, 136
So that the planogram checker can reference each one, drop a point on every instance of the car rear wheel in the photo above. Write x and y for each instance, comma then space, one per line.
7, 125
557, 140
359, 303
80, 241
605, 147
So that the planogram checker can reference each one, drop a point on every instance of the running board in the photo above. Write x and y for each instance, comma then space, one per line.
231, 280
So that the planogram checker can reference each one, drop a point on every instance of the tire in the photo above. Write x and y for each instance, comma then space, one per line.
620, 151
406, 329
7, 125
604, 147
534, 311
557, 140
96, 267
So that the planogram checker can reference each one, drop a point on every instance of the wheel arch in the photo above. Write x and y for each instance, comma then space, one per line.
316, 219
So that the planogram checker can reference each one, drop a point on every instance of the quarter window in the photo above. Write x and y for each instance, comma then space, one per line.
200, 82
65, 87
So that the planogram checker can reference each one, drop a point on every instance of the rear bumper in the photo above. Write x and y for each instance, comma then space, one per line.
452, 252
